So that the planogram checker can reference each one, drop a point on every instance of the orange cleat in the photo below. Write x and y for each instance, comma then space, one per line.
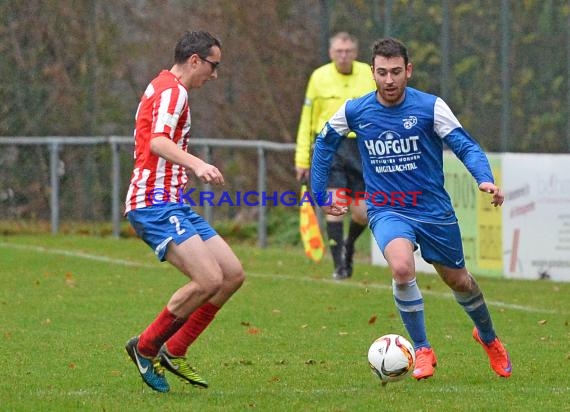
498, 355
425, 363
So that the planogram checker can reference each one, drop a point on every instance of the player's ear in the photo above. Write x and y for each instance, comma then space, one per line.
409, 70
193, 60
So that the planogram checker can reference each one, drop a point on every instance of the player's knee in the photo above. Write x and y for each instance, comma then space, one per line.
359, 213
235, 279
465, 283
211, 285
239, 279
402, 272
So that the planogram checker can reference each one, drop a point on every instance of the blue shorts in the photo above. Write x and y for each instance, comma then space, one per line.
439, 242
160, 224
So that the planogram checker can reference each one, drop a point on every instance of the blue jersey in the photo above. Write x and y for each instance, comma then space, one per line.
402, 154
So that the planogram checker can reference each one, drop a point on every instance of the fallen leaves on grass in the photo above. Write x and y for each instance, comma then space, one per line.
69, 281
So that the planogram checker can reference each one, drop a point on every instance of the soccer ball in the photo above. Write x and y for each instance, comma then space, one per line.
391, 357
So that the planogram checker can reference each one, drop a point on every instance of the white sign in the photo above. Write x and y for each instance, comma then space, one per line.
534, 220
536, 216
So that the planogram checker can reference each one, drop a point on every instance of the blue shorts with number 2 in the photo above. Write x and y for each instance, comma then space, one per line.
160, 224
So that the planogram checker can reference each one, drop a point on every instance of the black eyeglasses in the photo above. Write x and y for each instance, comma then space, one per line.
214, 65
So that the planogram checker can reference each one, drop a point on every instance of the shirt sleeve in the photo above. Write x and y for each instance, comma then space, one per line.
461, 143
326, 145
305, 131
166, 112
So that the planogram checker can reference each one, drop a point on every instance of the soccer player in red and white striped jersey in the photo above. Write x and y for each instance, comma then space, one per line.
163, 111
174, 231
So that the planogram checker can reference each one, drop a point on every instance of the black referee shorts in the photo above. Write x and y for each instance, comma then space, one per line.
346, 168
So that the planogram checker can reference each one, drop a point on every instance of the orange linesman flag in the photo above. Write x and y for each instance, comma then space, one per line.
309, 227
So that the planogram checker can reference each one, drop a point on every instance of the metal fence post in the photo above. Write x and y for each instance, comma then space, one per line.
115, 188
262, 207
505, 76
54, 181
207, 186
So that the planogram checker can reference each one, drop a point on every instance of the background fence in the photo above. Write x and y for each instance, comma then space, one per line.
86, 178
502, 66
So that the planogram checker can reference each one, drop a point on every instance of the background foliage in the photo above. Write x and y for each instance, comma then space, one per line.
79, 67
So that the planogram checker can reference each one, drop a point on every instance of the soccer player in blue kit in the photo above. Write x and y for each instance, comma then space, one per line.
401, 132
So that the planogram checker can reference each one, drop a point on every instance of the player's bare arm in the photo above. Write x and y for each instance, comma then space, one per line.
498, 197
164, 147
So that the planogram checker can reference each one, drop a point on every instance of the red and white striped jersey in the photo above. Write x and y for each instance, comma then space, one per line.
163, 111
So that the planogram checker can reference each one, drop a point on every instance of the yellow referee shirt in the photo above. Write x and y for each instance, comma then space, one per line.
327, 90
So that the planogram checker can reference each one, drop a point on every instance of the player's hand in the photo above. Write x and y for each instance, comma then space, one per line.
208, 173
335, 209
498, 197
301, 173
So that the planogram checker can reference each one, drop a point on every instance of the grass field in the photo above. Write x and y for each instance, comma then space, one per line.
290, 340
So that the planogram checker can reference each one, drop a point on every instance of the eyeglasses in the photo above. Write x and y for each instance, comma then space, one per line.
344, 51
215, 65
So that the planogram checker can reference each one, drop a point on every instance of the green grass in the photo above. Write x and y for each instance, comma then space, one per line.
290, 340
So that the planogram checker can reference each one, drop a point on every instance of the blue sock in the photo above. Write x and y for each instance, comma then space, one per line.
410, 303
474, 305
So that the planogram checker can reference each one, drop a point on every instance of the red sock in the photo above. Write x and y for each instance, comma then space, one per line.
178, 344
162, 328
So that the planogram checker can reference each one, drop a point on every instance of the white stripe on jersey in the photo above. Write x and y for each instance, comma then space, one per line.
140, 195
338, 121
160, 173
131, 188
444, 121
182, 100
149, 91
163, 118
176, 173
139, 182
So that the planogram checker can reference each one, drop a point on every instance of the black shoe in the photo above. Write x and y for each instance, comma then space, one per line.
340, 274
348, 255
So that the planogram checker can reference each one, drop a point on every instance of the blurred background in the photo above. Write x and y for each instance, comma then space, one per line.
78, 68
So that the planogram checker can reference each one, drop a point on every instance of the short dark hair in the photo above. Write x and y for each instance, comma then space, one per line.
390, 47
194, 42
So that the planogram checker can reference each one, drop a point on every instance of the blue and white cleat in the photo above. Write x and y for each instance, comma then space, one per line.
150, 370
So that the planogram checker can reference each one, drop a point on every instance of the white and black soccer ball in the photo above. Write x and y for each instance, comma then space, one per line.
391, 357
